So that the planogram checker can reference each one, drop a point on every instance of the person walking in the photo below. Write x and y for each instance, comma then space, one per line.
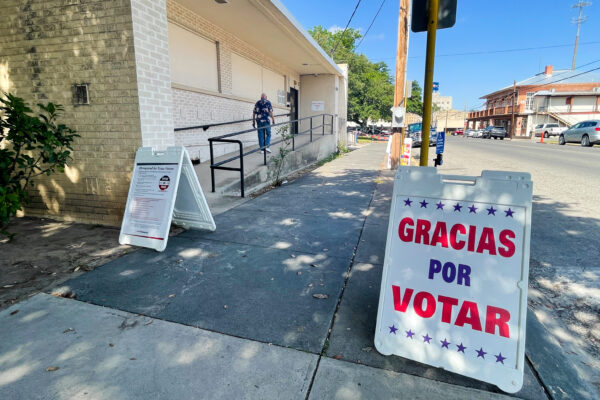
262, 111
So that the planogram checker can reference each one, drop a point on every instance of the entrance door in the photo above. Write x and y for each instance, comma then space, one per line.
294, 109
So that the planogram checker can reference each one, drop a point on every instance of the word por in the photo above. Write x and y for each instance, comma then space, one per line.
478, 242
425, 305
449, 272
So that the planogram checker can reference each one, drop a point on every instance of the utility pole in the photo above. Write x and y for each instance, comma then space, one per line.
579, 20
512, 111
400, 81
401, 54
432, 23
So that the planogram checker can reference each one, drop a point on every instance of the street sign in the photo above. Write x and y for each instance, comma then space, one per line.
164, 188
436, 86
446, 14
439, 142
454, 285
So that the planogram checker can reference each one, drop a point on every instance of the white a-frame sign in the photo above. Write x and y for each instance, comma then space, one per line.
164, 188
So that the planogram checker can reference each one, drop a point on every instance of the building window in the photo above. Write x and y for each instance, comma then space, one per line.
280, 97
81, 94
529, 100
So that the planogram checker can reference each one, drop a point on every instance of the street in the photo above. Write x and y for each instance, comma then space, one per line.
565, 258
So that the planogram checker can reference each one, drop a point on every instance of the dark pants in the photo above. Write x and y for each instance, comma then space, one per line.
264, 134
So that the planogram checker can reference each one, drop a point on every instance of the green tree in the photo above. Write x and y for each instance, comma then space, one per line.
370, 85
30, 145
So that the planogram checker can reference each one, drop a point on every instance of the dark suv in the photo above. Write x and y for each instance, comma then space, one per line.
496, 132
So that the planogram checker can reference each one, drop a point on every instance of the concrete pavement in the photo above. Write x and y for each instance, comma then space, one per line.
279, 302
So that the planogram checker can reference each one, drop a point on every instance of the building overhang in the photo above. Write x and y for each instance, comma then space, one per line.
269, 27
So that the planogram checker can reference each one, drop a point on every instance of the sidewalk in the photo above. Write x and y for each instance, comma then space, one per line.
279, 302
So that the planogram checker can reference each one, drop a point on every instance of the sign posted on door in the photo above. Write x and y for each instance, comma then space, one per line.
164, 188
454, 286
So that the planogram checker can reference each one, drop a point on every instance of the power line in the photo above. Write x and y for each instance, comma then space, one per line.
479, 52
346, 28
369, 28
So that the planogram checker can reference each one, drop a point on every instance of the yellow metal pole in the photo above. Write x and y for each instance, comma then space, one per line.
432, 21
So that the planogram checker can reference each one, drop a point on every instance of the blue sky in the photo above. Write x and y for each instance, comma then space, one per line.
481, 26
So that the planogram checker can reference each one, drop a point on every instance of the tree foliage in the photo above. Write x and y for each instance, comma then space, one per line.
370, 87
29, 146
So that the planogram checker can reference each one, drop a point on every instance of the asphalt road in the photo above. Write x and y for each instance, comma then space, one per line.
565, 251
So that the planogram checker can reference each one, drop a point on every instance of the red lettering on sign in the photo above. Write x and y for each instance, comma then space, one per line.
401, 305
423, 227
497, 317
447, 304
509, 247
454, 231
420, 232
406, 235
424, 305
440, 235
430, 310
469, 314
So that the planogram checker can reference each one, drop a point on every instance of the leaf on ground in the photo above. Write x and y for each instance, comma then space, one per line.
320, 296
171, 296
7, 286
133, 358
149, 322
338, 356
51, 369
69, 330
14, 312
111, 345
313, 265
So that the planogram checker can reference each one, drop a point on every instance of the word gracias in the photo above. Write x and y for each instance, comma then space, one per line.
457, 237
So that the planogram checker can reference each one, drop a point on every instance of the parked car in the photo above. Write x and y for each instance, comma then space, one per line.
457, 132
548, 130
586, 132
470, 133
496, 132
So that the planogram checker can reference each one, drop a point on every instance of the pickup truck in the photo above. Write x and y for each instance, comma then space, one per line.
548, 130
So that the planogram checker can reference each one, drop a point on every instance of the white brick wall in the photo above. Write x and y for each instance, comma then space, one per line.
151, 47
193, 107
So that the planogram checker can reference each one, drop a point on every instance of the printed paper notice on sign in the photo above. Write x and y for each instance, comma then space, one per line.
148, 212
318, 105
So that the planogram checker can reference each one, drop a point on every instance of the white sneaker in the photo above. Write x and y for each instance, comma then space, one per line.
268, 150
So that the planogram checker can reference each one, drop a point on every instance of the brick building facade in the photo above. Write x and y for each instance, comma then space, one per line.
499, 105
120, 51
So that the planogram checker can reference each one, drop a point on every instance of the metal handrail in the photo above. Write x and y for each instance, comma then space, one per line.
206, 126
225, 139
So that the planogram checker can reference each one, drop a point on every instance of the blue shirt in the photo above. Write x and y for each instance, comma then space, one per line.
262, 109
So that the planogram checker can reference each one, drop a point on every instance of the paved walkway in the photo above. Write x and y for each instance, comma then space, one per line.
279, 302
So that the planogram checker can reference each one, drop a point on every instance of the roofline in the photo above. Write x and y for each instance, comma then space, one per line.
286, 13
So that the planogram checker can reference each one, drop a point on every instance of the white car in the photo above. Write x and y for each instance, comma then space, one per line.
548, 130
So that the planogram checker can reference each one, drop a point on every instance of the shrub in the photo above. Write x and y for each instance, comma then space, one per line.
29, 146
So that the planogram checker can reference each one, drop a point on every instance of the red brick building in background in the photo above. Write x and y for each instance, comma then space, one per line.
561, 96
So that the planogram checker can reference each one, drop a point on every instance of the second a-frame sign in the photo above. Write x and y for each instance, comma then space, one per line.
164, 188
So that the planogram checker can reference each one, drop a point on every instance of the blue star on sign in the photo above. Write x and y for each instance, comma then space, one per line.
509, 213
473, 209
481, 353
410, 334
393, 329
445, 343
457, 207
461, 348
440, 206
426, 338
491, 210
408, 202
499, 358
424, 204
